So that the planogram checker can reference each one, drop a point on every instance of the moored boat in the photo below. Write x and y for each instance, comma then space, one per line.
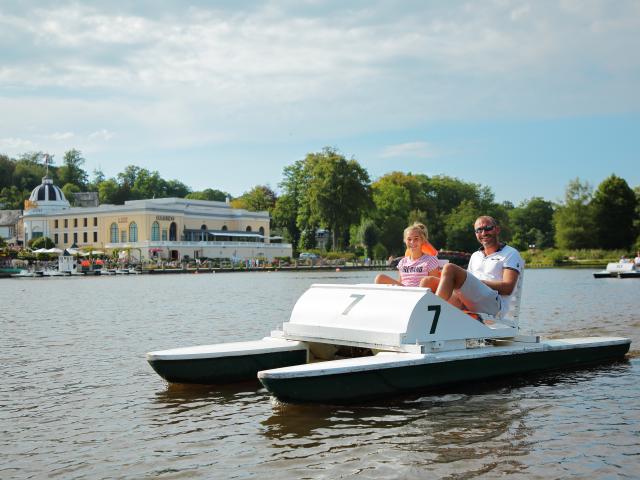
345, 343
619, 270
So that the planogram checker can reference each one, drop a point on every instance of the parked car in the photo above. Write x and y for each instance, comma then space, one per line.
308, 256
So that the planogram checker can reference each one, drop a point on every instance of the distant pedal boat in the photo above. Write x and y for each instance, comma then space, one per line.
346, 343
619, 270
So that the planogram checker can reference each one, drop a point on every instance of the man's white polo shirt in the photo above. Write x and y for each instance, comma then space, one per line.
490, 267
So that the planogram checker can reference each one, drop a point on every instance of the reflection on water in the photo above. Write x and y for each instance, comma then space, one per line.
79, 400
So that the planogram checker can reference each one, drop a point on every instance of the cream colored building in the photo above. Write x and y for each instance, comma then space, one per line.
169, 228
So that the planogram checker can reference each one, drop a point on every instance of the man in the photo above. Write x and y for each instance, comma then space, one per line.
491, 277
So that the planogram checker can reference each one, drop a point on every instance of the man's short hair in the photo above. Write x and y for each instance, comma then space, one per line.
488, 219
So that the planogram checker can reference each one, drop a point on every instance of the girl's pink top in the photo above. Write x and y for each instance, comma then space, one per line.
412, 271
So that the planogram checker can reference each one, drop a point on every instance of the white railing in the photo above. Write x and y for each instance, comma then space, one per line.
177, 244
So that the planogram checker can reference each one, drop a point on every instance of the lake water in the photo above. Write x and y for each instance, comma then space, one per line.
78, 399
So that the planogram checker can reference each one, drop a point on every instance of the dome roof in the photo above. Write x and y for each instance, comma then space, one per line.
46, 192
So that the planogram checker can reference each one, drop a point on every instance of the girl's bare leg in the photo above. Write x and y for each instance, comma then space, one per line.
386, 280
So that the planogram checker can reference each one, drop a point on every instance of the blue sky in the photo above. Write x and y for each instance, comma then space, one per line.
521, 96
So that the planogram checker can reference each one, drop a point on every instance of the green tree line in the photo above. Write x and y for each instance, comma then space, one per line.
326, 190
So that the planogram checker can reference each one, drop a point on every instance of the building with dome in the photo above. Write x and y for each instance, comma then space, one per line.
168, 228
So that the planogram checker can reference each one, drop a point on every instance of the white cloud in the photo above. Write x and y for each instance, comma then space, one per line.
176, 77
102, 134
16, 145
409, 150
59, 136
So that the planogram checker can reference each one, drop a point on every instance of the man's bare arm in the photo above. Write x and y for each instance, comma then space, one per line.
508, 283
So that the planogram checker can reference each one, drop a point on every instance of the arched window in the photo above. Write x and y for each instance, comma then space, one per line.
155, 232
261, 230
224, 228
114, 233
203, 233
248, 229
133, 232
173, 232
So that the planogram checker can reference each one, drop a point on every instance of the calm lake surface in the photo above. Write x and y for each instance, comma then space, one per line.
78, 399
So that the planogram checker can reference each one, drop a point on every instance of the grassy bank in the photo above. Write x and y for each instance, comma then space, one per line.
554, 257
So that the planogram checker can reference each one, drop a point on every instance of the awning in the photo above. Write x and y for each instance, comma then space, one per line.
218, 233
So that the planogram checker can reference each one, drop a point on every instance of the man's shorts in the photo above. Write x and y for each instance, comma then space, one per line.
478, 297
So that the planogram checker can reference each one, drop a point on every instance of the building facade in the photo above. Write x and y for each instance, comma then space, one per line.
168, 228
9, 221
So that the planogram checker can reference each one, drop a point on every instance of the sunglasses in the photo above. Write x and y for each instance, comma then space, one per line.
488, 228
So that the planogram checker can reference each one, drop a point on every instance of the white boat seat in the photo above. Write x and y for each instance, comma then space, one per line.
512, 316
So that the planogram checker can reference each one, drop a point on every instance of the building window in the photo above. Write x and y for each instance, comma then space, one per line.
248, 229
84, 222
164, 235
203, 233
114, 233
261, 230
224, 228
123, 236
95, 221
66, 238
85, 238
55, 224
55, 238
66, 223
95, 237
75, 223
133, 232
155, 232
173, 232
75, 237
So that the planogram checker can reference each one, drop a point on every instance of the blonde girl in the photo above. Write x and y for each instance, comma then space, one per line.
416, 269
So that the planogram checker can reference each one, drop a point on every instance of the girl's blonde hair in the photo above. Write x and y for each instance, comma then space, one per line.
420, 227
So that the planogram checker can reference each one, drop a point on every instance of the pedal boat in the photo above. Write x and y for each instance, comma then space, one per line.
347, 343
620, 270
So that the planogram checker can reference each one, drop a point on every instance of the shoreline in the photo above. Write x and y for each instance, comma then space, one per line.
305, 268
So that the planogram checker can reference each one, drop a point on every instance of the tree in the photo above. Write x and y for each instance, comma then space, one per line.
7, 167
69, 189
12, 198
392, 206
287, 214
368, 234
259, 199
175, 188
574, 219
209, 194
29, 172
109, 192
338, 191
614, 206
41, 242
532, 223
459, 227
71, 170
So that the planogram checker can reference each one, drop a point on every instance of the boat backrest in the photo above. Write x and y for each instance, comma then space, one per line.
382, 317
511, 317
620, 267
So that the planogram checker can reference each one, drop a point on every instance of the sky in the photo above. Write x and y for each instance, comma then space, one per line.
520, 96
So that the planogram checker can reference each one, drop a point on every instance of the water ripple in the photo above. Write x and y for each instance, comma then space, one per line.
79, 401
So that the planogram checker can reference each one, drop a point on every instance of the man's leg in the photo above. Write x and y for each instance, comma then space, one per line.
452, 278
